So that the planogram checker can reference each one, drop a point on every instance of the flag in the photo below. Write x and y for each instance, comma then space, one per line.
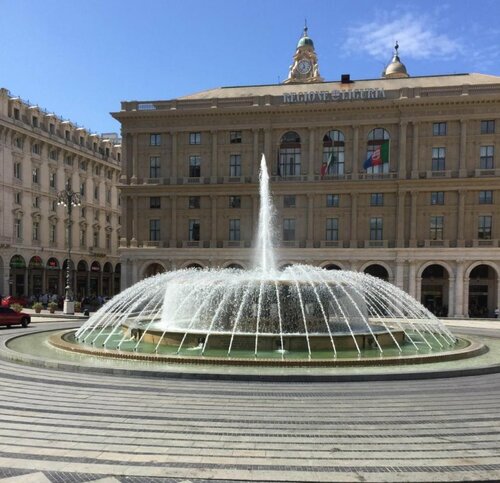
326, 164
379, 156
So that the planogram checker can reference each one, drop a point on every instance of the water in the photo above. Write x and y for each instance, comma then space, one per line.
300, 312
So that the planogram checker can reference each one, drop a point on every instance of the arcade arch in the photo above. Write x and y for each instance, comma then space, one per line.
482, 283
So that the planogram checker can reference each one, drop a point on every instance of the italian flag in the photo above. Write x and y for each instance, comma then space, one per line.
326, 165
379, 156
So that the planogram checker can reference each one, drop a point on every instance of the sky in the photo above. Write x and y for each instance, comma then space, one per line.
80, 59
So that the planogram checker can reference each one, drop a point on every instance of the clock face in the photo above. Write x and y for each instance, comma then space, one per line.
304, 66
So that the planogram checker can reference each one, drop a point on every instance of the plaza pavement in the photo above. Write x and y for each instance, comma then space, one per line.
63, 427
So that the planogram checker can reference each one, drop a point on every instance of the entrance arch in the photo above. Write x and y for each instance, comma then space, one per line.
153, 269
107, 274
35, 276
82, 277
331, 266
435, 288
483, 290
95, 279
53, 275
196, 266
235, 266
17, 278
377, 270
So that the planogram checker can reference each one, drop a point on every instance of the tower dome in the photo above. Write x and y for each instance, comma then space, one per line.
395, 69
305, 40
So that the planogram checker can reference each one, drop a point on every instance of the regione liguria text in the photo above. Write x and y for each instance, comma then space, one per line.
333, 95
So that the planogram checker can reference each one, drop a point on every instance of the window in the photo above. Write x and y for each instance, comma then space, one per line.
484, 227
96, 238
108, 195
155, 139
487, 127
438, 159
108, 218
68, 160
52, 179
36, 229
83, 212
17, 170
439, 129
83, 237
53, 155
377, 151
54, 205
96, 192
52, 233
194, 202
376, 228
486, 197
35, 148
36, 202
235, 202
194, 230
82, 188
195, 138
97, 170
289, 229
289, 155
81, 140
289, 201
436, 227
235, 165
108, 241
234, 230
437, 198
106, 152
332, 201
333, 154
235, 137
67, 134
486, 157
18, 143
377, 199
34, 121
109, 174
94, 146
154, 202
154, 167
52, 128
332, 229
16, 113
18, 228
35, 175
17, 197
83, 165
194, 166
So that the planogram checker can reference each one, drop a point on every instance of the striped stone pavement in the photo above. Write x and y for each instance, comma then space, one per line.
59, 426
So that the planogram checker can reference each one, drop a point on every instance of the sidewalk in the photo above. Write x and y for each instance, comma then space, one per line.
45, 314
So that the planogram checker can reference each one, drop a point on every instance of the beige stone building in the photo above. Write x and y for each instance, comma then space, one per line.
396, 176
39, 155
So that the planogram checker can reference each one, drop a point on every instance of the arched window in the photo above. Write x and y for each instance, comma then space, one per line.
377, 151
333, 154
289, 155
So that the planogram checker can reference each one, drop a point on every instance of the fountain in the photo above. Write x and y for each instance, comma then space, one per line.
301, 314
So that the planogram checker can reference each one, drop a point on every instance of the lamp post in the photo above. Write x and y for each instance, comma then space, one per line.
68, 198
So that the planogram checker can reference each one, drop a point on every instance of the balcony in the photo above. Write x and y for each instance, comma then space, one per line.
480, 243
486, 172
152, 244
280, 179
445, 173
391, 175
233, 244
290, 244
436, 243
376, 243
192, 244
331, 244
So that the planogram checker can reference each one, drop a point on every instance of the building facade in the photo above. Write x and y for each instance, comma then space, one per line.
395, 176
41, 155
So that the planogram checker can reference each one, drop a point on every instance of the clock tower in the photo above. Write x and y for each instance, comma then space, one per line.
305, 62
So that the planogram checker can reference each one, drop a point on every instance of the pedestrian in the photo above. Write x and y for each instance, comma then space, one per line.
497, 312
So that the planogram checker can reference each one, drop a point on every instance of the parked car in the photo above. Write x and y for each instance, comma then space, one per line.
10, 299
11, 317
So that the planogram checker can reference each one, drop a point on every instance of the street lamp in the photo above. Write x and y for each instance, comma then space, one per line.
68, 198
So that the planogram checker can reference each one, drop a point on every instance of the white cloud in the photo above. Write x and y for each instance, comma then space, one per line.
418, 37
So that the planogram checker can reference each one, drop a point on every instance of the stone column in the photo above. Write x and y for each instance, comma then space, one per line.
133, 241
462, 168
271, 161
213, 219
461, 218
311, 161
400, 220
451, 296
412, 279
133, 179
402, 150
214, 161
173, 222
413, 219
398, 280
465, 299
173, 168
418, 294
355, 152
254, 169
414, 152
459, 290
354, 221
310, 221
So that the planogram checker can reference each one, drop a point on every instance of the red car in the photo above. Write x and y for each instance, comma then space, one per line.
11, 317
10, 299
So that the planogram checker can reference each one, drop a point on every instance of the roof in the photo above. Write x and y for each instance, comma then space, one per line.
450, 80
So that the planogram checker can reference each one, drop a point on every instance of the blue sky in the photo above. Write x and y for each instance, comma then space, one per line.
80, 59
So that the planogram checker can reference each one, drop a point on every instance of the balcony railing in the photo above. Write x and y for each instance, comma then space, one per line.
233, 243
436, 243
485, 243
376, 243
331, 244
